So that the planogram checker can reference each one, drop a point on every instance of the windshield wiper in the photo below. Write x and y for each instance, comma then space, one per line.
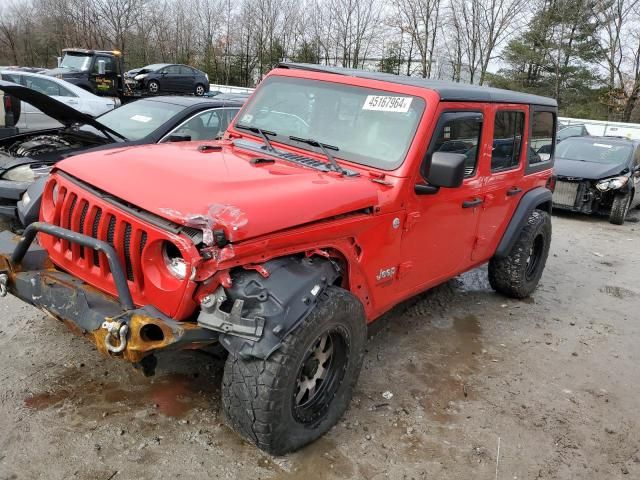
325, 149
262, 133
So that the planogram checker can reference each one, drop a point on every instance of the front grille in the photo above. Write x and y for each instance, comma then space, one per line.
82, 215
565, 193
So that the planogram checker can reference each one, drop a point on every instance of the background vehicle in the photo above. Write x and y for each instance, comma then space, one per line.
75, 97
566, 131
171, 78
598, 175
328, 202
9, 113
25, 157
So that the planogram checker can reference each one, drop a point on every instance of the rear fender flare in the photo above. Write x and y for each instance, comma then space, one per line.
257, 313
539, 198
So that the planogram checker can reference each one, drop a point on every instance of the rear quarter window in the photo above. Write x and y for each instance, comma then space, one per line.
541, 140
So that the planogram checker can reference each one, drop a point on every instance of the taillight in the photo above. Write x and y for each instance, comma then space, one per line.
551, 182
7, 103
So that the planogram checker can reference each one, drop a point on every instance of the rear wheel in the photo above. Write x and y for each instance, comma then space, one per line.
619, 209
300, 391
517, 275
153, 86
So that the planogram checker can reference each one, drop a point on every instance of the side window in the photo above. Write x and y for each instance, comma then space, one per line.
109, 64
461, 135
173, 69
42, 85
508, 130
541, 139
65, 93
203, 126
12, 77
185, 70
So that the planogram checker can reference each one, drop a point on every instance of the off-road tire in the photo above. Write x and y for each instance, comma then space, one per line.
619, 209
155, 89
259, 396
199, 90
517, 275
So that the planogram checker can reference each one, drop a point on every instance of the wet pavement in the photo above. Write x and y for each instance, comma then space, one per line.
551, 382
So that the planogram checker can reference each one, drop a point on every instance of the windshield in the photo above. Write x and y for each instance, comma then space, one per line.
76, 61
138, 119
598, 151
370, 127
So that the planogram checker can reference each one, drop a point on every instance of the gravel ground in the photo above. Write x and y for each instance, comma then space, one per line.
482, 387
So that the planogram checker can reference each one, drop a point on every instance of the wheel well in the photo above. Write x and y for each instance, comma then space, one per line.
546, 206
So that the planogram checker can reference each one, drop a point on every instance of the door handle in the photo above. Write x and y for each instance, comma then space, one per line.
472, 203
513, 191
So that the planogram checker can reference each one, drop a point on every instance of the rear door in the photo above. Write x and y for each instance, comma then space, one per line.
171, 81
187, 79
503, 171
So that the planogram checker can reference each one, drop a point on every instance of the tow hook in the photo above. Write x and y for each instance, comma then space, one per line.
4, 278
117, 331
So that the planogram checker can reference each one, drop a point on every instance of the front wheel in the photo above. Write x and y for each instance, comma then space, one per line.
295, 396
619, 209
199, 91
517, 275
153, 86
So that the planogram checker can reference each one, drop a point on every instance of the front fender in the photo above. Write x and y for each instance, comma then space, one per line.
264, 306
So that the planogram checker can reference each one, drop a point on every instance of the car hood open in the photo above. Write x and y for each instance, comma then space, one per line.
196, 186
50, 106
587, 170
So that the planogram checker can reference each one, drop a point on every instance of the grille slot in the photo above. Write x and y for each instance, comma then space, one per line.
94, 234
127, 252
565, 193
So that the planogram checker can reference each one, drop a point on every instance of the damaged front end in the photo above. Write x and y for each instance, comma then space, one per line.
585, 195
114, 324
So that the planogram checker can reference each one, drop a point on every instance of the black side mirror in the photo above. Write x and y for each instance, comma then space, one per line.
445, 170
178, 137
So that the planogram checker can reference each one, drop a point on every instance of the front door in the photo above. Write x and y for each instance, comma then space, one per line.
440, 229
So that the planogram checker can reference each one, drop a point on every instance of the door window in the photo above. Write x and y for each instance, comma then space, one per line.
461, 135
109, 64
42, 85
541, 139
203, 126
508, 129
173, 69
185, 70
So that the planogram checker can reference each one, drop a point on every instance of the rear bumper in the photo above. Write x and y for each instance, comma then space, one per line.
30, 276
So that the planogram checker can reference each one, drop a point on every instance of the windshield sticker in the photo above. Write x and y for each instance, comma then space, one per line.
141, 118
387, 104
247, 118
602, 145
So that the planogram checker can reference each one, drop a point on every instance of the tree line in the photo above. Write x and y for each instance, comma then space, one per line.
584, 53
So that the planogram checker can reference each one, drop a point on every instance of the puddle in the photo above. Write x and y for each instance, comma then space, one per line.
618, 292
172, 395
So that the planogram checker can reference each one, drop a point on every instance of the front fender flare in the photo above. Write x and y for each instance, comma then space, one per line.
258, 312
538, 198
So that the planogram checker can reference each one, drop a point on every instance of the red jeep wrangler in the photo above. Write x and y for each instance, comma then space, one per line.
334, 196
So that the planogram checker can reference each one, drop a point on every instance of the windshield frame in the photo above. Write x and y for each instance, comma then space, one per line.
590, 143
382, 90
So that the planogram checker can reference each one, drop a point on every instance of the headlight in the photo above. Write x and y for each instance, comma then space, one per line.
26, 199
174, 261
24, 173
612, 183
140, 76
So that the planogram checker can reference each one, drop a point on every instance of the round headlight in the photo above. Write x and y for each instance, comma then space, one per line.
603, 186
174, 261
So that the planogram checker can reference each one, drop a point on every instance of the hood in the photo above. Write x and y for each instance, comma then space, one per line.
49, 106
587, 170
222, 188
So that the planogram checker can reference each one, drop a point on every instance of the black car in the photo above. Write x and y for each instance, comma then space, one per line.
24, 158
170, 78
598, 175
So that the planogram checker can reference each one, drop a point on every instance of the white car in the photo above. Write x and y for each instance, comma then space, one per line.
33, 119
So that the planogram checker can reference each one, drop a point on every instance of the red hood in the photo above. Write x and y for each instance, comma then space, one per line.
220, 188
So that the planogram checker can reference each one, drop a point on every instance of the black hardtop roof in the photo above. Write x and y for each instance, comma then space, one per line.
448, 91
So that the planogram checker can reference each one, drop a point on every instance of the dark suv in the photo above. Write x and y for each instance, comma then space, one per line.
335, 195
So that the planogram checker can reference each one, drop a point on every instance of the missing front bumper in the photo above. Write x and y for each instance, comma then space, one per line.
31, 277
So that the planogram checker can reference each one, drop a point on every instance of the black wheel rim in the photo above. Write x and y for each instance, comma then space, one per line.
319, 376
535, 253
